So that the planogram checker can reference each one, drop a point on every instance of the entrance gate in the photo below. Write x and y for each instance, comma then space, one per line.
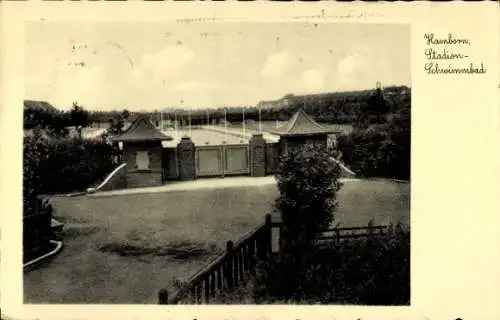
222, 160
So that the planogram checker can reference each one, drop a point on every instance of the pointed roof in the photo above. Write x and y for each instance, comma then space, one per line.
301, 124
142, 130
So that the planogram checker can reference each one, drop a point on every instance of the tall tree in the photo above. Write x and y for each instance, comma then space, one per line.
79, 118
117, 122
125, 114
116, 125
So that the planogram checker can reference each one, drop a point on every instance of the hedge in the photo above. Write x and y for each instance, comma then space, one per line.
379, 153
63, 165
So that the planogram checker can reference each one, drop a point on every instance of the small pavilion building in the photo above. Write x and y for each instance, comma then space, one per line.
301, 129
141, 146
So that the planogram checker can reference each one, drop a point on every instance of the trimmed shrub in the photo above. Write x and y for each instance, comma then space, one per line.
63, 165
307, 181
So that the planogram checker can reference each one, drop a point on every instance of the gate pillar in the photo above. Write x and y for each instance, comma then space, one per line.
257, 156
186, 157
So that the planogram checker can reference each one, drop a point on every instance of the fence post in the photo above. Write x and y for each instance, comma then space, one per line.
269, 237
275, 237
163, 296
229, 264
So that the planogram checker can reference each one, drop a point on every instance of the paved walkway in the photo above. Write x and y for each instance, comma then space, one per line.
228, 182
212, 183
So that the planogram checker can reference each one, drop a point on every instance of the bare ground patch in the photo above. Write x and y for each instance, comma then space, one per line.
184, 250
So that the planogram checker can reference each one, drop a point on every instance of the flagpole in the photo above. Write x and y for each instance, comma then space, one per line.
260, 122
182, 108
175, 125
244, 131
225, 125
189, 115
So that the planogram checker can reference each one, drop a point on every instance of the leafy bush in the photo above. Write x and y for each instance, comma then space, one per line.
63, 165
307, 182
372, 271
382, 150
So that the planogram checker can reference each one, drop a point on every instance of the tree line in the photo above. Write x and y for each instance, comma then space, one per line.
341, 108
378, 146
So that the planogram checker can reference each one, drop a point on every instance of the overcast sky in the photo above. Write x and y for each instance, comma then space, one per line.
150, 66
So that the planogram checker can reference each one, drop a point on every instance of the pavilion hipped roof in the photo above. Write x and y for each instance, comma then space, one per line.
142, 130
301, 124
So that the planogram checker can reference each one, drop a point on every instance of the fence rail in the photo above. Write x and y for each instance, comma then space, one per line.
239, 261
341, 234
224, 273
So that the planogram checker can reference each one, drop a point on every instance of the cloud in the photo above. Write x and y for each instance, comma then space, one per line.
355, 62
277, 64
70, 84
168, 62
346, 66
313, 79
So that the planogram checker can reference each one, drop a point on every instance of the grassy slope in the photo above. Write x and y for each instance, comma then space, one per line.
82, 273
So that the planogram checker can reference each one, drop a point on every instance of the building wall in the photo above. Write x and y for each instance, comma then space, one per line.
153, 176
144, 179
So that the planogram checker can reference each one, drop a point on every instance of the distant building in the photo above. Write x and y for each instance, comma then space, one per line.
283, 102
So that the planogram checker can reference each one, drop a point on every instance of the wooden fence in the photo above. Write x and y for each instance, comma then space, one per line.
239, 261
342, 234
224, 273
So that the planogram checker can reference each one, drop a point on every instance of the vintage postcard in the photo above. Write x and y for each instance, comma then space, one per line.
250, 160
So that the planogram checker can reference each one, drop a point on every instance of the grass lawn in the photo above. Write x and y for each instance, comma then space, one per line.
148, 229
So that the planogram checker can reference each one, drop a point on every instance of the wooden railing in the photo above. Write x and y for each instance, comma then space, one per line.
341, 234
239, 261
227, 270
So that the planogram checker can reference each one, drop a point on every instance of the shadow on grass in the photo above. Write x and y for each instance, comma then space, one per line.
182, 250
75, 231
